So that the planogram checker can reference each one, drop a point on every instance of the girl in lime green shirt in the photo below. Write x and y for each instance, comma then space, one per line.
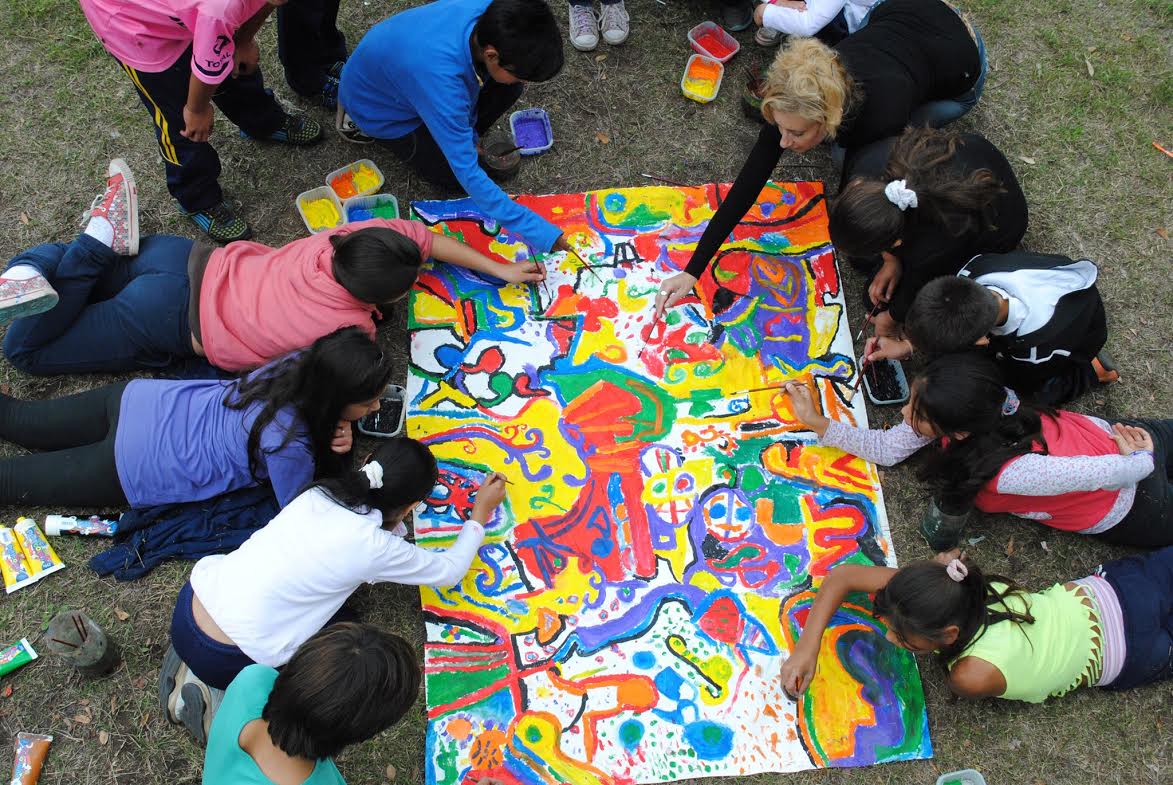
1112, 629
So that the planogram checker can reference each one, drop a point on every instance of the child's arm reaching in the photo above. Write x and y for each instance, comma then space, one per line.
885, 448
1036, 474
404, 562
447, 249
799, 668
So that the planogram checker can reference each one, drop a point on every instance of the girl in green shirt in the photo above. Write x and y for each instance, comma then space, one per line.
342, 686
1111, 629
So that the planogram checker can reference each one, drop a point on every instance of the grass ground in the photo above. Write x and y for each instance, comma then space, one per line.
1077, 91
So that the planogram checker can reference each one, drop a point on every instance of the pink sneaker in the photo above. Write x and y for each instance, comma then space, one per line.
118, 205
25, 297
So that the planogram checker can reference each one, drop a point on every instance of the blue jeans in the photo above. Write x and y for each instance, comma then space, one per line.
1144, 586
116, 313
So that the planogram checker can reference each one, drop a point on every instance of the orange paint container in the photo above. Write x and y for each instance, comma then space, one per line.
702, 78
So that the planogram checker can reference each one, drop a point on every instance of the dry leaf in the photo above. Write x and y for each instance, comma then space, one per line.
391, 770
7, 690
120, 614
1162, 233
1010, 546
83, 718
103, 737
24, 218
1090, 70
1027, 159
139, 683
600, 58
602, 138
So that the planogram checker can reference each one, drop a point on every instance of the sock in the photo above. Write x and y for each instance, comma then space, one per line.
101, 230
21, 272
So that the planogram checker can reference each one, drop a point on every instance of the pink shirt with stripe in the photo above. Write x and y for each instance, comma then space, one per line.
150, 35
258, 303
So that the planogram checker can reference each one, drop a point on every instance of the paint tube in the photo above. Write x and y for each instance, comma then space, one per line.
38, 553
56, 525
31, 750
16, 655
17, 573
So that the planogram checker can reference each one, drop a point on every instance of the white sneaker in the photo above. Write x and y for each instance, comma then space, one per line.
765, 36
584, 28
614, 23
25, 297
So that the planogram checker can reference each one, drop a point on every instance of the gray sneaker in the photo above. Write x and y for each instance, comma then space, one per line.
614, 23
584, 28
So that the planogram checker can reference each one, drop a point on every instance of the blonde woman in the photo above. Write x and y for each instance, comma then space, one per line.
915, 62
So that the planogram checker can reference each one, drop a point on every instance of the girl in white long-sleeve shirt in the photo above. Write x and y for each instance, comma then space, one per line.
289, 579
1069, 471
794, 17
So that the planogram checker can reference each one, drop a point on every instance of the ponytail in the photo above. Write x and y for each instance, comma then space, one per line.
918, 184
925, 597
963, 397
400, 473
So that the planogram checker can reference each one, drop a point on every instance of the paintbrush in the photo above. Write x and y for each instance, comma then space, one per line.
870, 316
585, 264
761, 389
859, 380
659, 179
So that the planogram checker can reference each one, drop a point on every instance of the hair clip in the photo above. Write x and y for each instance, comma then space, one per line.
1011, 403
956, 570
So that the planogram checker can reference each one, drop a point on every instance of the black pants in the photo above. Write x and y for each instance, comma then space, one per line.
77, 433
193, 168
1149, 524
309, 42
420, 152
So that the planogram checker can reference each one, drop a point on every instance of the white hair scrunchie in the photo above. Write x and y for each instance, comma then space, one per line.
900, 194
374, 473
956, 570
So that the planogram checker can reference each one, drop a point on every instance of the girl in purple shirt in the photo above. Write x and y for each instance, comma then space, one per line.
154, 441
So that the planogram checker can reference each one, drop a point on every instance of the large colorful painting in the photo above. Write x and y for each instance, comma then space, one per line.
628, 614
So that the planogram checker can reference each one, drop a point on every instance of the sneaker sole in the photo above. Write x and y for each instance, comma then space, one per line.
119, 166
30, 307
192, 713
169, 675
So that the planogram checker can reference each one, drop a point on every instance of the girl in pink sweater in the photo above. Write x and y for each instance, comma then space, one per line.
1069, 471
107, 302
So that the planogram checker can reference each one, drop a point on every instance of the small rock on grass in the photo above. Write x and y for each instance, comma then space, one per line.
391, 772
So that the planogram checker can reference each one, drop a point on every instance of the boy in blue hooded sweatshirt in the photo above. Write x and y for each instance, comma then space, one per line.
428, 82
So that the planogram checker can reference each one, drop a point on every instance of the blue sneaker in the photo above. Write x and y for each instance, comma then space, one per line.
328, 96
221, 223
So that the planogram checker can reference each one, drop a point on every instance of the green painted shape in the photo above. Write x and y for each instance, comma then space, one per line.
446, 687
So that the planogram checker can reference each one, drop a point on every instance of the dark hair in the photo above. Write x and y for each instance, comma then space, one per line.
950, 314
337, 370
863, 221
922, 600
409, 476
342, 686
375, 265
526, 37
964, 393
